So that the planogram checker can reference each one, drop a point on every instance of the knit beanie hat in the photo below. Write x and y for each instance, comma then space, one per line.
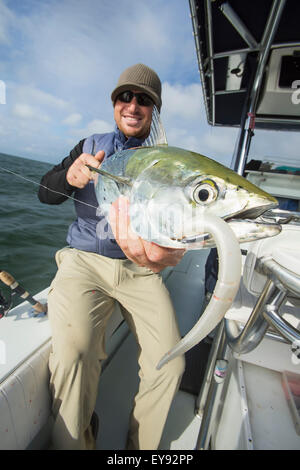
142, 78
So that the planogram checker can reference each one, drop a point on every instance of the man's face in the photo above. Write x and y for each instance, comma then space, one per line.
133, 119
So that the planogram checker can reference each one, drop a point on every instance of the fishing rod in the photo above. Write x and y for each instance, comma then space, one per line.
8, 279
17, 289
5, 305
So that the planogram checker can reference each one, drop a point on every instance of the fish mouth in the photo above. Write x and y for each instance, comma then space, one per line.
198, 239
252, 214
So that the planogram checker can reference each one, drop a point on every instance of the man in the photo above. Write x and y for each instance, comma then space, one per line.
95, 270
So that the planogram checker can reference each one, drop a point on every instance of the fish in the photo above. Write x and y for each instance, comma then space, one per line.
182, 199
171, 189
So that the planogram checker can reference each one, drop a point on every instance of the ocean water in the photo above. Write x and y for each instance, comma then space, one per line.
30, 232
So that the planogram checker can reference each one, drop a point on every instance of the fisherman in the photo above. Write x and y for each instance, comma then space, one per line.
95, 270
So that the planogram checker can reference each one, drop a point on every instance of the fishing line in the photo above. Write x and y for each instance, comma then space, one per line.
45, 187
157, 136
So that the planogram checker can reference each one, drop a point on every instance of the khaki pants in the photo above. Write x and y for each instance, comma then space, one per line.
81, 300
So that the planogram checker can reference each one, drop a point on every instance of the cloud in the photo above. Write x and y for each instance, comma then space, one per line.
62, 58
7, 19
35, 95
65, 57
220, 141
182, 138
25, 111
26, 102
271, 146
184, 119
73, 119
182, 101
96, 126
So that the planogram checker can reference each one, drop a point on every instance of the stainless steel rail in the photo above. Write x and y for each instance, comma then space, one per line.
240, 155
210, 57
207, 401
266, 312
238, 24
256, 326
281, 283
218, 339
196, 29
279, 323
282, 276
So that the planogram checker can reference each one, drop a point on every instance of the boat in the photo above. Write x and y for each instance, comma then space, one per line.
241, 387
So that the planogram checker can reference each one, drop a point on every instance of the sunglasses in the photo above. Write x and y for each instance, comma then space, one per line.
142, 98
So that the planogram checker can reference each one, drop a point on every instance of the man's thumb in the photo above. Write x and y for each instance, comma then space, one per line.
100, 155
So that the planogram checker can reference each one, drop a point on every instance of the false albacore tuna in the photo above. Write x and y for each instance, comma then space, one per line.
180, 199
170, 191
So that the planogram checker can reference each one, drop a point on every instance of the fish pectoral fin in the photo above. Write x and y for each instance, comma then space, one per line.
118, 179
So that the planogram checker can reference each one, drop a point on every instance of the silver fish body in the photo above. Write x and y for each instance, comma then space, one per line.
181, 199
171, 190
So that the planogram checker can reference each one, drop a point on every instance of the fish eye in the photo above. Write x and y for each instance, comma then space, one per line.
205, 192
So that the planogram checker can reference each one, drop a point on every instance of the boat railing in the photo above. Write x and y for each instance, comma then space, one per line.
287, 285
281, 285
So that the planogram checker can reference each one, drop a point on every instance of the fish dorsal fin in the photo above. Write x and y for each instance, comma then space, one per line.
118, 179
157, 134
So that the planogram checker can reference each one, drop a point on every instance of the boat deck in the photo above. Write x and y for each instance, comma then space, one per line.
26, 340
117, 387
255, 414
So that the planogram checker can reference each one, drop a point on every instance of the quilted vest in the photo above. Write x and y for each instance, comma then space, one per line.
91, 231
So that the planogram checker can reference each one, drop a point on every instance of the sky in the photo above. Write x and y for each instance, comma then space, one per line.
60, 60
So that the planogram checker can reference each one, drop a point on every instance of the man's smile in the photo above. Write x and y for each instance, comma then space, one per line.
131, 120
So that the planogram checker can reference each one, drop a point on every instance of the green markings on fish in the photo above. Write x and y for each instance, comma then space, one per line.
171, 190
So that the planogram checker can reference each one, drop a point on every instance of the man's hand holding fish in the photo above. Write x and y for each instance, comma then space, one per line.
141, 252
